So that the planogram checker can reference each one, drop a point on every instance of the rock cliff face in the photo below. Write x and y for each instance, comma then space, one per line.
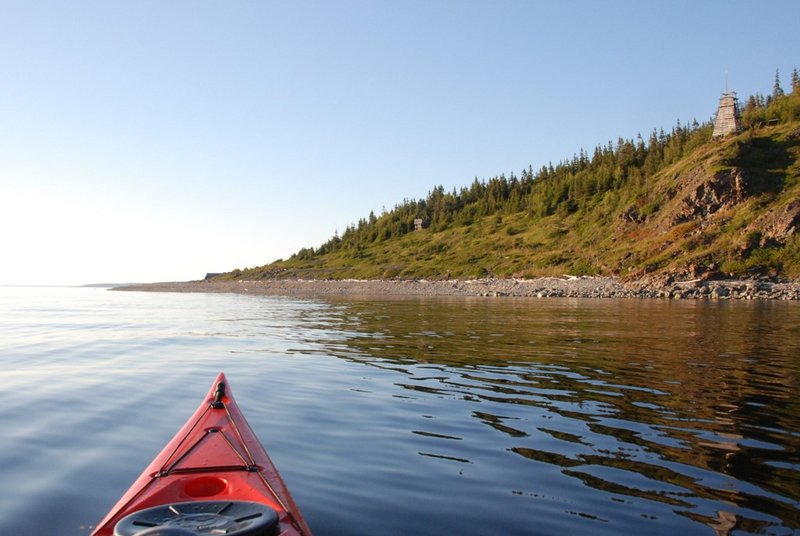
695, 196
777, 225
705, 195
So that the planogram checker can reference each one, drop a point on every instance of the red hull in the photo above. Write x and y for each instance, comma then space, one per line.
214, 457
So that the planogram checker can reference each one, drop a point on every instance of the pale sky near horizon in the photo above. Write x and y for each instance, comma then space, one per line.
154, 141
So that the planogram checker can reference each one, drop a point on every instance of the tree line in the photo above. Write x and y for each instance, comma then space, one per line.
569, 186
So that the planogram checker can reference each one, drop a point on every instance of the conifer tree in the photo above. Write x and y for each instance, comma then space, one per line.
776, 88
751, 104
795, 80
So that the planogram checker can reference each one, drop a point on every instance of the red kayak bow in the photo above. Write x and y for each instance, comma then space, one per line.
213, 477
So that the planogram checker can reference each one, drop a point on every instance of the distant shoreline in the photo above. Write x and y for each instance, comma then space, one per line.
545, 287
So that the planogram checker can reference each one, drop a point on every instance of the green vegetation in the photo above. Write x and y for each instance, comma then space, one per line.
679, 203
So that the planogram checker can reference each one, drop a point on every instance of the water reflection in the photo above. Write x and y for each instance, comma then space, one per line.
690, 406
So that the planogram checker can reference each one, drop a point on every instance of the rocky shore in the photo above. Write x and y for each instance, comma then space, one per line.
547, 287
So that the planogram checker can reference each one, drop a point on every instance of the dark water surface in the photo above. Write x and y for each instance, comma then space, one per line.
416, 416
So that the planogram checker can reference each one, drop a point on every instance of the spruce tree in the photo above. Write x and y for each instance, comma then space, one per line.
776, 88
795, 80
751, 104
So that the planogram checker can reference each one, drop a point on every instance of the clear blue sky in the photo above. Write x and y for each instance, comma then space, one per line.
153, 140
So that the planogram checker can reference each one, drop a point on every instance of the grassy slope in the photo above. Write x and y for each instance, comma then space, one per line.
597, 239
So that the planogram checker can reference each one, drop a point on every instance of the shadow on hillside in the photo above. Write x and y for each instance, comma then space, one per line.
766, 161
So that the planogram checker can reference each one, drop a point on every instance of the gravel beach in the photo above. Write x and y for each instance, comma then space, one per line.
547, 287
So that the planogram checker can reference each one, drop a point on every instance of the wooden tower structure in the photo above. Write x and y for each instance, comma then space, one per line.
727, 118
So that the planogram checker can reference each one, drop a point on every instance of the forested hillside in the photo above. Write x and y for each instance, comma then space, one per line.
674, 203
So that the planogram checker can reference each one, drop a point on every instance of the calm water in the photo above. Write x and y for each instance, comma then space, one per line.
459, 416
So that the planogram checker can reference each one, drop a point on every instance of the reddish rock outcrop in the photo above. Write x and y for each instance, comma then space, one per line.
721, 190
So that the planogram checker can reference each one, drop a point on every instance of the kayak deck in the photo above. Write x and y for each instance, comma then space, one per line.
213, 461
